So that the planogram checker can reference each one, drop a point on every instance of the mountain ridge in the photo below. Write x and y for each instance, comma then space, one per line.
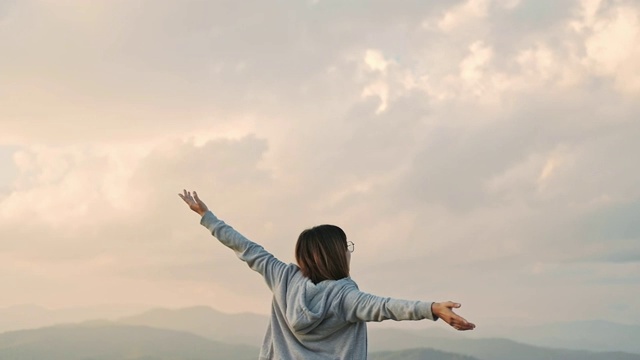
249, 328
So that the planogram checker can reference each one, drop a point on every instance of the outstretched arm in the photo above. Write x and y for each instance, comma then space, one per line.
253, 254
360, 306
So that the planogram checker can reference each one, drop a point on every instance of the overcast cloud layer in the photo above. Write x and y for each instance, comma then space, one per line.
484, 151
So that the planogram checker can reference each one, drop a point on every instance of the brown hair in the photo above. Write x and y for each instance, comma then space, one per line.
321, 253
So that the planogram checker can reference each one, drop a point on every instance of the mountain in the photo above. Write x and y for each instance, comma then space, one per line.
483, 349
249, 329
115, 342
418, 354
595, 335
20, 317
243, 328
104, 340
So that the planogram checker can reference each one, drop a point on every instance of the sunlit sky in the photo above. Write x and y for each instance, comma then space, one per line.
482, 151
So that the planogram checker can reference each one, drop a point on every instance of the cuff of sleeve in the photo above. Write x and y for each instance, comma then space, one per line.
427, 311
209, 220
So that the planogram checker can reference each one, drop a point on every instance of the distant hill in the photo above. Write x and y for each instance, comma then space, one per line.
22, 317
418, 354
483, 349
244, 328
107, 341
103, 340
115, 342
595, 335
249, 329
239, 328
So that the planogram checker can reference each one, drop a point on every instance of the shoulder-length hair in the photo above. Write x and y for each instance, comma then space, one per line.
321, 253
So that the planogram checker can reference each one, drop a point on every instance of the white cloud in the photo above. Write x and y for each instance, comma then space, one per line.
510, 4
464, 13
551, 167
472, 67
589, 9
491, 139
539, 61
613, 46
381, 90
376, 61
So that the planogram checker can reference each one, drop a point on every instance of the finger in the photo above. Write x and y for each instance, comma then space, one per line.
458, 320
456, 324
188, 199
468, 327
451, 304
463, 325
195, 194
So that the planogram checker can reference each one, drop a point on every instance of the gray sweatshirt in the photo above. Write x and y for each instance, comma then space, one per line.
324, 321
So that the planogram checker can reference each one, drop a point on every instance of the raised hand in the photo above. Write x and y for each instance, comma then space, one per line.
194, 202
445, 312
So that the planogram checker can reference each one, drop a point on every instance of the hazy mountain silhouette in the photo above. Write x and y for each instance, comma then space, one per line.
243, 328
218, 326
20, 317
484, 349
103, 340
595, 335
212, 330
115, 342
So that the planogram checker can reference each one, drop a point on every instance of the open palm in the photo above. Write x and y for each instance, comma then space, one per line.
445, 312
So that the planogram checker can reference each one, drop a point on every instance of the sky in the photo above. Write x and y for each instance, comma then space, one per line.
480, 151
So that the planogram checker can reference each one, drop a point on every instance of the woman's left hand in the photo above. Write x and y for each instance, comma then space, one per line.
444, 311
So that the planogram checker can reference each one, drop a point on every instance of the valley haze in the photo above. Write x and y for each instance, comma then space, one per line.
248, 328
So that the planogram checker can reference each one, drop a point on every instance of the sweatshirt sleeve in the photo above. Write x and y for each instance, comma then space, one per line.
359, 306
253, 254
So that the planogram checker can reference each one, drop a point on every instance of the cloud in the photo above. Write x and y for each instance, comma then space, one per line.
108, 195
613, 45
611, 233
463, 14
491, 140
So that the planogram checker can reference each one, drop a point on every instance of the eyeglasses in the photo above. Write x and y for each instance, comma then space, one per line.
350, 246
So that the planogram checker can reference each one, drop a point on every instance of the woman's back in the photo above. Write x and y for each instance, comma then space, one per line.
317, 311
308, 321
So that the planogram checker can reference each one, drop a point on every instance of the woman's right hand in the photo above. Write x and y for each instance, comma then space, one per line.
444, 311
194, 202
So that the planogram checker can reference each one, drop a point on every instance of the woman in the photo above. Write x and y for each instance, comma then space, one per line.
317, 310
